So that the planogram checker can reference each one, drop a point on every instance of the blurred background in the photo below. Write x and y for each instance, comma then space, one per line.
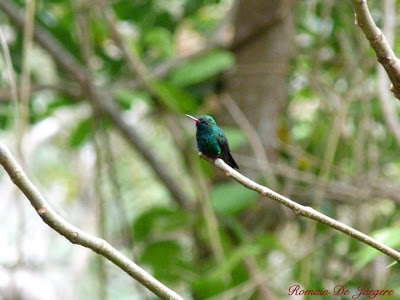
93, 97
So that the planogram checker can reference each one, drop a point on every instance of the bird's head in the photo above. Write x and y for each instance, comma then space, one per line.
203, 120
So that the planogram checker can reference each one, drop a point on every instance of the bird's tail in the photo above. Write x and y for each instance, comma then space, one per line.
229, 160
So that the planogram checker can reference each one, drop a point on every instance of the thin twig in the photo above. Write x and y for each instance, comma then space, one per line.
379, 44
257, 279
302, 210
26, 70
253, 138
13, 94
210, 218
338, 190
216, 40
70, 90
117, 197
133, 62
388, 106
76, 235
269, 274
320, 191
101, 215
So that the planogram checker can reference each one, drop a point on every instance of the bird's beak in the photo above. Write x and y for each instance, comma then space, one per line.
193, 118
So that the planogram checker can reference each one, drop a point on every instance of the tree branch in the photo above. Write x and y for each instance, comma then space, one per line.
388, 106
379, 44
70, 90
302, 210
76, 235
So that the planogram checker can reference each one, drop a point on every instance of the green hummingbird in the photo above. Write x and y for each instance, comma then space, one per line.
211, 140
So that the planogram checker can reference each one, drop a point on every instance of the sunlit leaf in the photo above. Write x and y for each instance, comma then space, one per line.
201, 69
158, 43
166, 259
231, 198
126, 97
388, 236
230, 271
174, 98
236, 256
208, 286
80, 133
235, 137
156, 220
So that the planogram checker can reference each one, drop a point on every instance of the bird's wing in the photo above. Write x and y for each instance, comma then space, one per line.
225, 151
222, 140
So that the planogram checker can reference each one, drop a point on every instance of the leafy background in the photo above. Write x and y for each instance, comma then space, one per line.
331, 148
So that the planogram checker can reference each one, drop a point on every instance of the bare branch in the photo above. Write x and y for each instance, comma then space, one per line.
379, 44
302, 210
13, 95
63, 58
388, 106
70, 90
26, 68
76, 235
134, 64
253, 138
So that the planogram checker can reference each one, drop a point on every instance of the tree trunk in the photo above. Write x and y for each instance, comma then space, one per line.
263, 45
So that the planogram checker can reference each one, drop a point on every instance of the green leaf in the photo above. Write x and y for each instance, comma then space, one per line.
235, 137
126, 97
165, 258
268, 241
158, 43
235, 258
6, 114
387, 236
174, 98
59, 101
227, 273
158, 220
80, 133
203, 68
231, 198
206, 287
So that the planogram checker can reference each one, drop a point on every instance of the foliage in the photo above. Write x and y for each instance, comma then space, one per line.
333, 75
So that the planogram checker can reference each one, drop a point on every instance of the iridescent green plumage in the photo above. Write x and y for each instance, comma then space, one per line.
211, 140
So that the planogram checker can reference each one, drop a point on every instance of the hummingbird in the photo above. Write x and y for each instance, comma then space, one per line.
212, 141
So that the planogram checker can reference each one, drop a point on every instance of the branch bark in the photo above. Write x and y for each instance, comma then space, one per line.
302, 210
76, 235
388, 106
379, 44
